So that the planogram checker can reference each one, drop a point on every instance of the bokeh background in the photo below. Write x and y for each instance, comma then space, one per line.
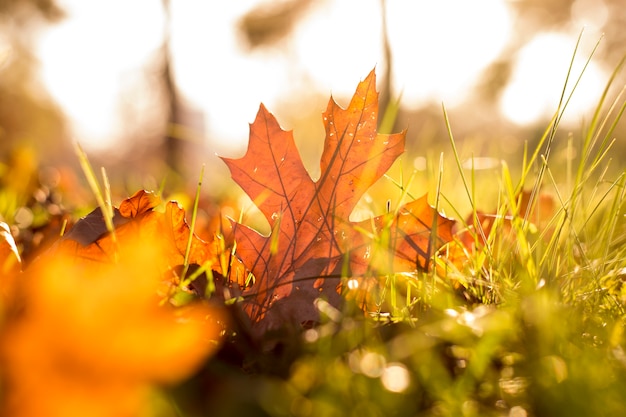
151, 86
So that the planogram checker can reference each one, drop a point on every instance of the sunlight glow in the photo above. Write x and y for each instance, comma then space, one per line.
332, 45
517, 411
441, 47
353, 284
90, 59
395, 377
217, 75
372, 364
537, 81
96, 63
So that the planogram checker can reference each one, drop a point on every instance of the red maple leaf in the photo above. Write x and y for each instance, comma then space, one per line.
311, 234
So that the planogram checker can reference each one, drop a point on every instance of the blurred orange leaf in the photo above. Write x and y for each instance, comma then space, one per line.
90, 341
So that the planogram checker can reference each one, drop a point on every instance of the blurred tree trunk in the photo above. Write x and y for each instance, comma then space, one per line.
385, 84
173, 146
267, 23
27, 119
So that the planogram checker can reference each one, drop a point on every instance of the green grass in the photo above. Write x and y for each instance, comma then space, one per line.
531, 325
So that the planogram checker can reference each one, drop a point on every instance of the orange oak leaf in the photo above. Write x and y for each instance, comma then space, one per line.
136, 218
537, 213
403, 241
311, 236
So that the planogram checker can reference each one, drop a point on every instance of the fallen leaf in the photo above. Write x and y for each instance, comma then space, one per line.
92, 227
91, 341
303, 258
403, 241
140, 203
538, 216
89, 240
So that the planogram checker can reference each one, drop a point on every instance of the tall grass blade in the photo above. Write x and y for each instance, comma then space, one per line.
103, 200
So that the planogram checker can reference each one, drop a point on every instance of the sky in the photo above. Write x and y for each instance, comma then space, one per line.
94, 62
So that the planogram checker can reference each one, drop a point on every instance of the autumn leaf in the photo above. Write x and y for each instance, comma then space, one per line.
91, 341
311, 233
89, 239
406, 237
86, 333
537, 215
